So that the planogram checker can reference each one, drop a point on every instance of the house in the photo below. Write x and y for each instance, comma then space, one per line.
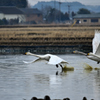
33, 15
11, 12
87, 19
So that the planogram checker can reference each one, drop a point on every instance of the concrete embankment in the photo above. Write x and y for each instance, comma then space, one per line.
46, 39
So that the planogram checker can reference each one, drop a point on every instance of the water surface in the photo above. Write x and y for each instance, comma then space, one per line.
20, 81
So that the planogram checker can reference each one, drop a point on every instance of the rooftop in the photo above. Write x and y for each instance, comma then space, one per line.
87, 16
31, 11
10, 10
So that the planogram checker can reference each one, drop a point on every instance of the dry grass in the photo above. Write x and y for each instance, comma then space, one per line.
46, 34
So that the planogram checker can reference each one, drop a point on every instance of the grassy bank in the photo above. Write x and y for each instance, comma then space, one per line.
47, 36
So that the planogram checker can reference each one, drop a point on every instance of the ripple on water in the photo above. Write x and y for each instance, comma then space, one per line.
20, 81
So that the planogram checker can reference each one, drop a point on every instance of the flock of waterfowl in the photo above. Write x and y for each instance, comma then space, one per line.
48, 98
57, 61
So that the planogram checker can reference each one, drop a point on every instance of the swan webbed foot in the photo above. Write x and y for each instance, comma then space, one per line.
61, 66
57, 65
98, 62
57, 73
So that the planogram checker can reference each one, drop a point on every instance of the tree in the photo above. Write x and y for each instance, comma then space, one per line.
54, 15
83, 11
5, 22
20, 3
6, 3
73, 14
66, 16
17, 3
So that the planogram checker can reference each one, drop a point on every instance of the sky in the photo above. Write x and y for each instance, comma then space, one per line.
86, 2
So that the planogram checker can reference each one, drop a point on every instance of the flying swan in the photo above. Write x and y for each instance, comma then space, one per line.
52, 59
95, 55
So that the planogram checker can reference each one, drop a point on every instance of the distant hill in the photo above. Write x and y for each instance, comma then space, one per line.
74, 6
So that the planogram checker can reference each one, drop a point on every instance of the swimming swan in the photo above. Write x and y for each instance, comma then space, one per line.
52, 59
95, 55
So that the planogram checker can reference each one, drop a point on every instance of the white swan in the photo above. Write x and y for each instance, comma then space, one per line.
96, 49
52, 59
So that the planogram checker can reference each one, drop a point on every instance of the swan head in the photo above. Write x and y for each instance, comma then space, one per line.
90, 54
75, 51
28, 53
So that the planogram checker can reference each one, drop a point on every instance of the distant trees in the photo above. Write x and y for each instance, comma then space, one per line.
54, 15
17, 3
83, 11
73, 14
4, 21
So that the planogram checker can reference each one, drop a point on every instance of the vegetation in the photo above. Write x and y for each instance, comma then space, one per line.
32, 36
4, 21
83, 11
17, 3
50, 14
54, 15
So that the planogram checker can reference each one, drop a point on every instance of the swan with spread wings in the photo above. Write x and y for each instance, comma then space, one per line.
52, 59
95, 55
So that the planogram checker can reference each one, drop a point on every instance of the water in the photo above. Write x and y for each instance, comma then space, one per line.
20, 81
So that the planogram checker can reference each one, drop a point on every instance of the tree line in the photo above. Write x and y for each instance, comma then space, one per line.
17, 3
53, 15
49, 14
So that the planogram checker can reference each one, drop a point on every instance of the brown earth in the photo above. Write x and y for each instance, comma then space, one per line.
46, 36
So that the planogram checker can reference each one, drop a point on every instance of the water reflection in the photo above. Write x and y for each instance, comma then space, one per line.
20, 81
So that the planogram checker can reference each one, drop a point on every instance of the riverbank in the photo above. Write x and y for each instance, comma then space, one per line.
47, 39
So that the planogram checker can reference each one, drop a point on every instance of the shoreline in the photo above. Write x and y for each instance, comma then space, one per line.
40, 39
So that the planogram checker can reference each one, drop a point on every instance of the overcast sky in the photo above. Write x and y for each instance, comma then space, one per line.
86, 2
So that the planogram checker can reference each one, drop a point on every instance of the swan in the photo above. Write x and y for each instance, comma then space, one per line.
95, 55
52, 59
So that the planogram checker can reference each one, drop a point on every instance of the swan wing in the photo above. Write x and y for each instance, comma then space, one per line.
56, 60
28, 62
37, 60
98, 50
32, 61
96, 41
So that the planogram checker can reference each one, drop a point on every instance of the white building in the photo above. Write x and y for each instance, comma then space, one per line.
12, 12
87, 19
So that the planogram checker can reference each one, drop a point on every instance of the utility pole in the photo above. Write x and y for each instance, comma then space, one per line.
54, 10
59, 11
69, 11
